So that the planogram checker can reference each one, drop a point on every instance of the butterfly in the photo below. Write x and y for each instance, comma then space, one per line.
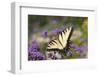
61, 43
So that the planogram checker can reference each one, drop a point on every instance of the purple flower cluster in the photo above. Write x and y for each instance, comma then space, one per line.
36, 56
81, 49
69, 53
73, 46
56, 31
44, 34
34, 52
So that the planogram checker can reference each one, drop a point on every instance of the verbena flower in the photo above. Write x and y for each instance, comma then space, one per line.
73, 46
37, 56
81, 48
34, 46
84, 49
44, 33
69, 53
56, 31
34, 52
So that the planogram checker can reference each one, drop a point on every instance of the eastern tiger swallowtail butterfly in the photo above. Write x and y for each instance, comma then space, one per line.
61, 43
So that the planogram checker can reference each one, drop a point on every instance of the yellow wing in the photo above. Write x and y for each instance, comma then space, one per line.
61, 42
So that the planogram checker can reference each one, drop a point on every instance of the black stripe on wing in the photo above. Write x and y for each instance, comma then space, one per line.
51, 43
70, 33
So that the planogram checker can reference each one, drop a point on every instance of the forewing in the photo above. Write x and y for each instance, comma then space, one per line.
54, 44
64, 36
